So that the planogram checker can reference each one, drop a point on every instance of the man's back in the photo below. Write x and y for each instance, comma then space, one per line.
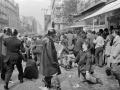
4, 50
78, 45
13, 44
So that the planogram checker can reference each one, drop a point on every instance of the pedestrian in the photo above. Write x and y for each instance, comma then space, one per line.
85, 67
79, 42
108, 46
114, 55
114, 60
13, 57
7, 33
49, 63
1, 34
84, 59
99, 44
91, 37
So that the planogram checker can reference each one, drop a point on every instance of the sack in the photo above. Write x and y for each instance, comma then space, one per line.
91, 78
31, 70
43, 88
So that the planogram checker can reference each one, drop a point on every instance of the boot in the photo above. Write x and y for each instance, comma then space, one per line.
6, 86
21, 81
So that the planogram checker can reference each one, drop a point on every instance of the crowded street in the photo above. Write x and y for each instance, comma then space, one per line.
60, 45
68, 81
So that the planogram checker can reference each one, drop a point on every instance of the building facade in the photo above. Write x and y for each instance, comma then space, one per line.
96, 14
47, 22
9, 14
28, 24
57, 14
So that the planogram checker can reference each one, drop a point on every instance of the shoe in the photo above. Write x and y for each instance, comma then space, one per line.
21, 81
11, 81
3, 79
6, 87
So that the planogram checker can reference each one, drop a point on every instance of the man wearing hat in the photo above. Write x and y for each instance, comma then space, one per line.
13, 57
6, 34
49, 64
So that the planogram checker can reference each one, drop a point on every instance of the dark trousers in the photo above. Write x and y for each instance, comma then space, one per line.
20, 70
48, 81
0, 63
99, 56
3, 69
9, 71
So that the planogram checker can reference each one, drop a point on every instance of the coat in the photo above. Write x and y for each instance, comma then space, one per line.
84, 60
4, 50
13, 45
115, 51
49, 62
78, 45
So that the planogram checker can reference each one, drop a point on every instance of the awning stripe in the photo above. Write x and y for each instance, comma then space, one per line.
107, 8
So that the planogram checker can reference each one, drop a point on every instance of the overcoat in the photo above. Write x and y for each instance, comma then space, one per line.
115, 51
49, 64
13, 46
84, 60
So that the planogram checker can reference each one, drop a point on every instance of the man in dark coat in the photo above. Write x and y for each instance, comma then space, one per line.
7, 33
13, 57
49, 62
79, 42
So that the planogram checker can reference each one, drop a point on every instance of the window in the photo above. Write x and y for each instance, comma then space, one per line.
102, 19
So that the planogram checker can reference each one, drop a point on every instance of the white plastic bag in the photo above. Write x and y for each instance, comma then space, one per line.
88, 75
91, 78
59, 48
43, 88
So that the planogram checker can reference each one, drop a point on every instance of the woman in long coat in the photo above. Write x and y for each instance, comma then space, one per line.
49, 63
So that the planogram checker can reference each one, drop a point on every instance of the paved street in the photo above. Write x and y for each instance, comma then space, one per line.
68, 81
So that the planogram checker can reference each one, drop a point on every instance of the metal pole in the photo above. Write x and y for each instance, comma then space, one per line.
93, 24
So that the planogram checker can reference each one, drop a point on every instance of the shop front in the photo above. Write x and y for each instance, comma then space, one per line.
107, 16
114, 19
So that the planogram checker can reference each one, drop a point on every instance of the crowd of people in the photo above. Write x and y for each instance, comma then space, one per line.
46, 54
101, 49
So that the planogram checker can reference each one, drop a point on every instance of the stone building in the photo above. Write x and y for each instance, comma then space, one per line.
28, 24
57, 14
9, 14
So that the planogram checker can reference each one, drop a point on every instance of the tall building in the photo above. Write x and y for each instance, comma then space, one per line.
28, 25
47, 21
97, 14
9, 14
57, 14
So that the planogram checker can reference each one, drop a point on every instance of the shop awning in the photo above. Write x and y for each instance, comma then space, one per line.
109, 7
76, 26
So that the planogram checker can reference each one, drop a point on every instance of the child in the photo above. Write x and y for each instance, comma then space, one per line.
84, 60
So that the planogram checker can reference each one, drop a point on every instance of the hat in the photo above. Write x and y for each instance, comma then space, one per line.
51, 31
14, 32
